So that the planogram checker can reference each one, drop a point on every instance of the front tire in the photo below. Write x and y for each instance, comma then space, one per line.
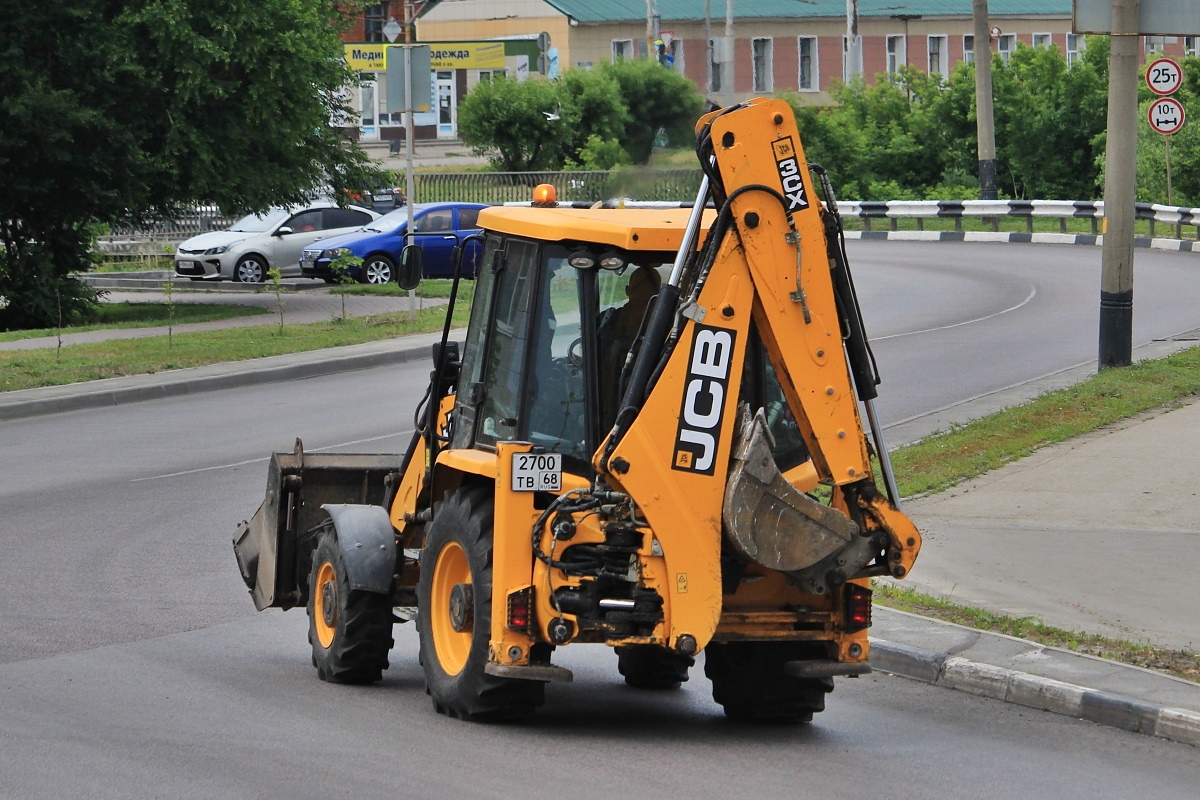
377, 270
749, 682
455, 620
250, 269
350, 631
648, 666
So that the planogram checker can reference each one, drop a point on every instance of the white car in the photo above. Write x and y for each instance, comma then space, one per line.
259, 242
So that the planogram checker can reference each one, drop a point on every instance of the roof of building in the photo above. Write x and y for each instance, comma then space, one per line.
589, 11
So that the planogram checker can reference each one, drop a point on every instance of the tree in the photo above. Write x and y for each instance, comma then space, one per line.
603, 118
913, 136
118, 112
519, 126
656, 98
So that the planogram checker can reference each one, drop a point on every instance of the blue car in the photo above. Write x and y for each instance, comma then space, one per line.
437, 229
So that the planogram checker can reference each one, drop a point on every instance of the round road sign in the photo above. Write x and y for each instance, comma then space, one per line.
1164, 76
1165, 116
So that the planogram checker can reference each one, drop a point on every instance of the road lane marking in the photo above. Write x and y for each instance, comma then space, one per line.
1026, 301
268, 458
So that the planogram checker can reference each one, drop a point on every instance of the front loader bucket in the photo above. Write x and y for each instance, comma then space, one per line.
274, 549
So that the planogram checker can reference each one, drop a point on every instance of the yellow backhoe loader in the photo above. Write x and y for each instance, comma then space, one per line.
650, 439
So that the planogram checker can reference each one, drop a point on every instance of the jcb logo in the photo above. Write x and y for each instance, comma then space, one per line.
703, 400
789, 174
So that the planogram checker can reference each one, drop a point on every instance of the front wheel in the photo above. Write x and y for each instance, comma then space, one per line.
648, 666
378, 270
250, 269
350, 631
455, 620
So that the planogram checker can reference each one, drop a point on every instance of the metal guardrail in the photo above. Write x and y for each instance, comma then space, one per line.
991, 211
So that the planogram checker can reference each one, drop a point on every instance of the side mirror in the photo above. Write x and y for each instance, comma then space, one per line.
283, 231
410, 272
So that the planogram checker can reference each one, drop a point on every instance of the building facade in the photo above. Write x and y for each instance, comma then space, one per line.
763, 48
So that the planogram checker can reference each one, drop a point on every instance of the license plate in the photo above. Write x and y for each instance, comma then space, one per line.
189, 264
307, 264
537, 472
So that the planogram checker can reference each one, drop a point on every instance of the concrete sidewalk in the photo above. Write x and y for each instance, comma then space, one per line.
1084, 535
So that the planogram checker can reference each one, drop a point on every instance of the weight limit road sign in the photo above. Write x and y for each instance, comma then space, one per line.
1164, 76
1165, 116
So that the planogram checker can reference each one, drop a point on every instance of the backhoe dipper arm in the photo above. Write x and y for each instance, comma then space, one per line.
679, 459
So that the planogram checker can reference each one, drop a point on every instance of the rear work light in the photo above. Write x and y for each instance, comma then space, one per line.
520, 609
858, 607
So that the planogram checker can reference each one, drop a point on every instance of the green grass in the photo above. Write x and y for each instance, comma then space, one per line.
427, 288
110, 316
25, 369
134, 263
1180, 663
965, 451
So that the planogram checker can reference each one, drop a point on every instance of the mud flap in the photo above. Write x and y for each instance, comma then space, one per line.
368, 544
768, 520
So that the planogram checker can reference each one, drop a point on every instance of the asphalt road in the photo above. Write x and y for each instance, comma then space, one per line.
132, 663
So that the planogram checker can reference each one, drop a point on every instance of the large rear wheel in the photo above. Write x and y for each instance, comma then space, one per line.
350, 631
749, 682
455, 618
648, 666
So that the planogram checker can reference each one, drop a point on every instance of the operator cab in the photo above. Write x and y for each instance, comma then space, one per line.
553, 322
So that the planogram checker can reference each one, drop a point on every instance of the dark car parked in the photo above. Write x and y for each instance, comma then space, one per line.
437, 229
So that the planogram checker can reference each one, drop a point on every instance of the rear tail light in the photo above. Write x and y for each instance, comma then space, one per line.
520, 610
858, 607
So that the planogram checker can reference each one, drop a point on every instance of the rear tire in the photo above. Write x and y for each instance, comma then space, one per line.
350, 631
649, 666
749, 683
455, 619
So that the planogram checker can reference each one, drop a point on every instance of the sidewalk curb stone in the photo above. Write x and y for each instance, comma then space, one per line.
985, 680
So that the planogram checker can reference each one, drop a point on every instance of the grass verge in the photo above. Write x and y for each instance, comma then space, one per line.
965, 451
1179, 663
26, 369
111, 316
428, 288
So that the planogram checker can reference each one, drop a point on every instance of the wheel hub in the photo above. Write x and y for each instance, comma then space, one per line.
462, 607
329, 603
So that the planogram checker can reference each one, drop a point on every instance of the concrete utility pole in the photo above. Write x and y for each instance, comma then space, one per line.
853, 52
652, 26
985, 127
708, 53
727, 67
1120, 160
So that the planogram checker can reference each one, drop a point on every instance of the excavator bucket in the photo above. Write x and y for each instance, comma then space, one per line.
273, 548
767, 520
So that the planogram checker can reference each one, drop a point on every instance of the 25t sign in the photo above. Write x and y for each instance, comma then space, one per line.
1164, 77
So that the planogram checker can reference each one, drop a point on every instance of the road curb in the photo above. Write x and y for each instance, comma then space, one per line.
249, 374
1034, 691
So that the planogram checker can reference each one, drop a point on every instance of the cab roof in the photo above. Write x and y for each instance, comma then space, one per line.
625, 228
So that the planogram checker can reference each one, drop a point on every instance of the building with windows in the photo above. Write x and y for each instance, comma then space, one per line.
767, 46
